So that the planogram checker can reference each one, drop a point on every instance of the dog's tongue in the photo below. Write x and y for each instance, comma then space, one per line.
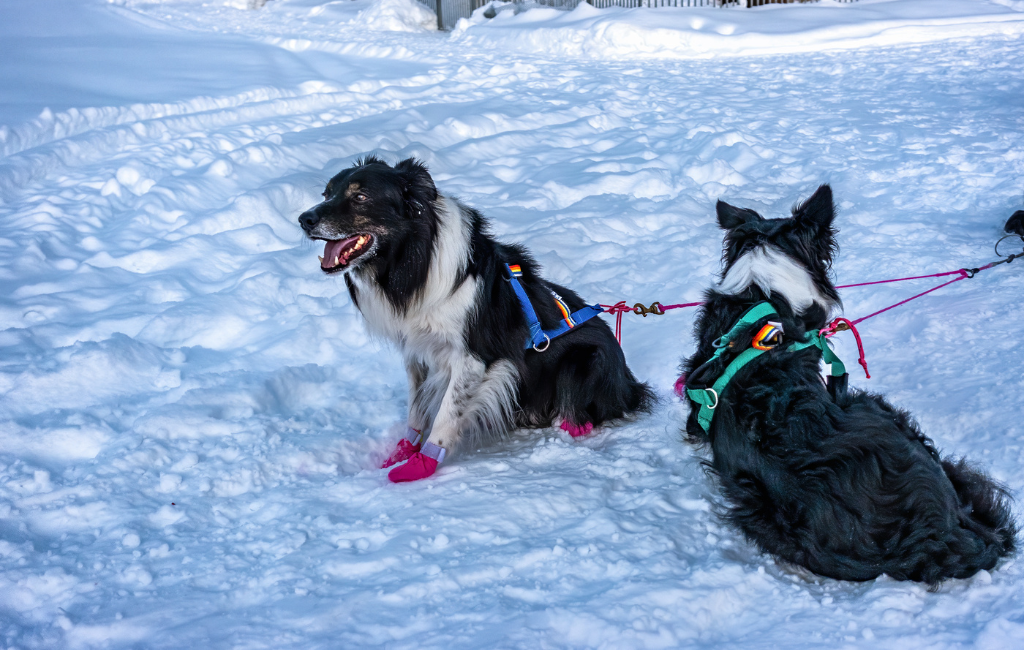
334, 249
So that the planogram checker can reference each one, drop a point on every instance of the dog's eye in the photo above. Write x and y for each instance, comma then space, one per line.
359, 197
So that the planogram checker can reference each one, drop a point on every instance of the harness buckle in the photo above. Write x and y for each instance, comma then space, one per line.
547, 344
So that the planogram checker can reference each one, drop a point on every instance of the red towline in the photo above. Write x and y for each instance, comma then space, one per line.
830, 330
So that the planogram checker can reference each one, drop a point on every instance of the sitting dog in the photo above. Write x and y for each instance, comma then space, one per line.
833, 479
473, 318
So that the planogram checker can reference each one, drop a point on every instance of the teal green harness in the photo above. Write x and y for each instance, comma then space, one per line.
708, 397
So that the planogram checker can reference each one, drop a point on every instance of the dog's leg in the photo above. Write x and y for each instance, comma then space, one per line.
419, 407
467, 372
423, 398
466, 375
493, 405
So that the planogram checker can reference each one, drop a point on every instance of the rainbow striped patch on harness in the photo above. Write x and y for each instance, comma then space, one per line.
564, 308
517, 271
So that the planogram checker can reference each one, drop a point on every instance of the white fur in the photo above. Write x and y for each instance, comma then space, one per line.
770, 269
451, 391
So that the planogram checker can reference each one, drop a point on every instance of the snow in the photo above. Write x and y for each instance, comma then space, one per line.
192, 415
626, 34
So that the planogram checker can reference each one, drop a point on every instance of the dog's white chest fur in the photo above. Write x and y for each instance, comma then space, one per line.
452, 391
433, 326
771, 270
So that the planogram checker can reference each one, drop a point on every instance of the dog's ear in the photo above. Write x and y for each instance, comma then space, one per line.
729, 216
818, 211
417, 186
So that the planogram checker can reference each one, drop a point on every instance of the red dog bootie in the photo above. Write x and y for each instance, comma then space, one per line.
577, 430
420, 465
406, 447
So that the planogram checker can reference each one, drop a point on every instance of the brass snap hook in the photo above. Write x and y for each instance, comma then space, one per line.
655, 309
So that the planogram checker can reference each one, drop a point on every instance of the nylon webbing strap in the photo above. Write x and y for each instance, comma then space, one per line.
539, 337
708, 397
536, 331
838, 368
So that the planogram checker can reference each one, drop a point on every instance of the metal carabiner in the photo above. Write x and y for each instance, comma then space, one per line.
655, 309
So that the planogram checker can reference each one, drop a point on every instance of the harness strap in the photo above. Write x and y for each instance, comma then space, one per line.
540, 338
817, 340
708, 397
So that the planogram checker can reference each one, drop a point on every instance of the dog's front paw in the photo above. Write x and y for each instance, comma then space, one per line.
577, 430
403, 451
420, 464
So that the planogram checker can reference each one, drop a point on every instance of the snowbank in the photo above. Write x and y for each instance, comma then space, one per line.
397, 16
686, 33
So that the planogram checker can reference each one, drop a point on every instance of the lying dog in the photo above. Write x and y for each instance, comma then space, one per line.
426, 274
838, 481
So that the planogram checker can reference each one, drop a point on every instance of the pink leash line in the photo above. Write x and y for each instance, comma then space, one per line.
842, 324
656, 308
836, 326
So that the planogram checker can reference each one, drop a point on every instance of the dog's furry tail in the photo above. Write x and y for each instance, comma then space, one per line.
596, 385
642, 398
987, 529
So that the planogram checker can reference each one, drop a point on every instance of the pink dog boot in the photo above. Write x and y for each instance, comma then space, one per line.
577, 430
680, 386
421, 465
406, 447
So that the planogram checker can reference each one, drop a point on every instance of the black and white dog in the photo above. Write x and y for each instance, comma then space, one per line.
426, 274
848, 487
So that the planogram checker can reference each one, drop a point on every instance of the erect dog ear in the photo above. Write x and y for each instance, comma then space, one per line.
418, 187
729, 216
819, 210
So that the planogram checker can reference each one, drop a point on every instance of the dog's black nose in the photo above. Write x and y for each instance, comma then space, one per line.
308, 219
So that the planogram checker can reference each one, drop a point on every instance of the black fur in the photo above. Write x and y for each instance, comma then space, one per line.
850, 490
1015, 224
582, 377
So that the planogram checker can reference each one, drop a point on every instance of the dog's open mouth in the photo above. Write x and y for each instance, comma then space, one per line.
339, 253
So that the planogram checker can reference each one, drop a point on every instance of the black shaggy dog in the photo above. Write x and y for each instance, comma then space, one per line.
848, 487
426, 274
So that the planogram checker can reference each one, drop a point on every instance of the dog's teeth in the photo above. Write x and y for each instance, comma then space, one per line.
321, 258
336, 258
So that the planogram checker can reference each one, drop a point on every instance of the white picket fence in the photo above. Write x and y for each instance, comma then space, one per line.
449, 11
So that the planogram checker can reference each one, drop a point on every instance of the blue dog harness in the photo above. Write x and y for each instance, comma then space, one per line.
539, 335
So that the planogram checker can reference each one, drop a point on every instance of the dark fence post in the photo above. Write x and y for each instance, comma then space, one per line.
440, 20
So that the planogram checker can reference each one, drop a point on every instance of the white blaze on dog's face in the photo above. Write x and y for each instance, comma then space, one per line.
790, 257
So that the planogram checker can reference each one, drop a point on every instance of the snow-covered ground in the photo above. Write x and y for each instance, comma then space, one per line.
192, 415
